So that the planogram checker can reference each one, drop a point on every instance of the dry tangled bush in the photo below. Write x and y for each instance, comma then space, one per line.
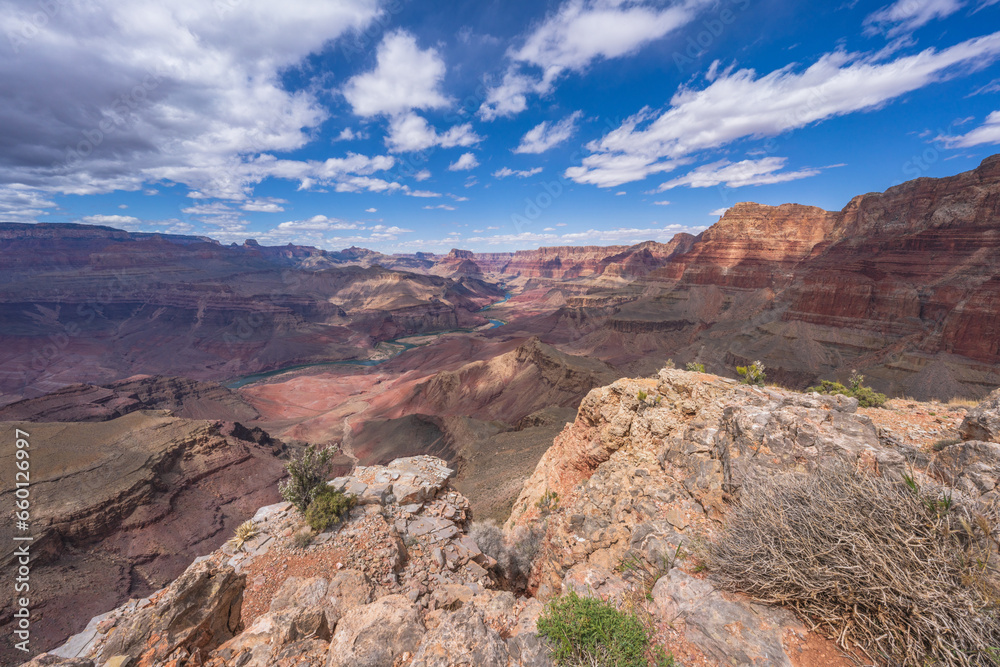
514, 557
901, 572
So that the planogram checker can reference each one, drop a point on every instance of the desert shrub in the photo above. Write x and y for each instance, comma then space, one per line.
903, 573
245, 532
945, 442
548, 503
867, 397
514, 557
642, 395
588, 631
302, 539
327, 507
308, 473
752, 374
670, 364
695, 367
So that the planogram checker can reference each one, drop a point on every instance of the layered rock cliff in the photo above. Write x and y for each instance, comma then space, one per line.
615, 509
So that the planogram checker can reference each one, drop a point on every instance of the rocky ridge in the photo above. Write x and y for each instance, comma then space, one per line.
648, 467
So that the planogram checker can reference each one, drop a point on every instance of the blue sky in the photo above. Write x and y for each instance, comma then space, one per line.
405, 126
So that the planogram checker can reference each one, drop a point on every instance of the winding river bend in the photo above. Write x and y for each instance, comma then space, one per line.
397, 345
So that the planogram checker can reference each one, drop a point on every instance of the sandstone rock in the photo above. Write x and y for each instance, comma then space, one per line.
462, 639
376, 634
972, 467
730, 632
595, 582
529, 650
120, 661
983, 421
260, 644
196, 613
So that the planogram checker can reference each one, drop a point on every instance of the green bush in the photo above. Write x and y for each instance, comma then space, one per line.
308, 473
328, 506
867, 397
752, 374
587, 631
642, 395
694, 367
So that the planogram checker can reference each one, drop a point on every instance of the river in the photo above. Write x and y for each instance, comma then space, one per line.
398, 343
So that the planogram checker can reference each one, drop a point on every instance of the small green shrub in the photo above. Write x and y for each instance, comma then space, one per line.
587, 631
670, 364
867, 397
308, 473
752, 374
663, 659
548, 503
642, 396
694, 367
328, 506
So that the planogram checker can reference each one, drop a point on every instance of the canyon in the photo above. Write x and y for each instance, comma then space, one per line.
187, 372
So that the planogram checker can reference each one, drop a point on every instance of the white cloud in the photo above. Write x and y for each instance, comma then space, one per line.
422, 175
443, 207
621, 235
423, 193
545, 135
718, 212
411, 132
904, 16
181, 90
620, 193
740, 104
737, 174
405, 77
371, 210
127, 222
662, 203
265, 205
458, 197
123, 206
317, 223
465, 162
520, 173
578, 33
987, 133
347, 134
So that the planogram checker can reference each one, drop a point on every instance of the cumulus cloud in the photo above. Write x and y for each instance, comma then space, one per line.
905, 16
411, 132
423, 193
112, 95
741, 104
265, 205
317, 223
663, 202
737, 174
520, 173
546, 135
987, 133
405, 77
22, 204
718, 212
577, 34
465, 162
371, 210
443, 207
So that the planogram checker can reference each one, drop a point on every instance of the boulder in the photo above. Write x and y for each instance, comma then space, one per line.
344, 591
983, 421
376, 634
462, 639
730, 632
260, 644
972, 467
196, 613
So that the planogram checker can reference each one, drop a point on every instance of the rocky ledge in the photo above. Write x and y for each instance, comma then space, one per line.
615, 510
